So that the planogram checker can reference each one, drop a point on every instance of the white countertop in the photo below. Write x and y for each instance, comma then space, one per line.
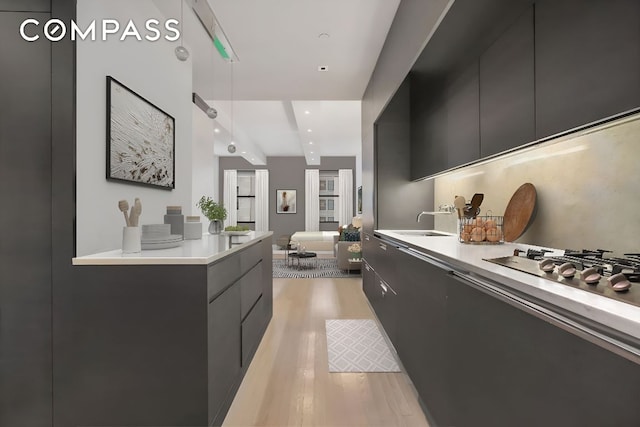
618, 315
201, 251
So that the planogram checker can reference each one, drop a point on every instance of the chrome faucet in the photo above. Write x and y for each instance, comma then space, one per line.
442, 209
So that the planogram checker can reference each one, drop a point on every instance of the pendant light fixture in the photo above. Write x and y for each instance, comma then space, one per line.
181, 52
232, 147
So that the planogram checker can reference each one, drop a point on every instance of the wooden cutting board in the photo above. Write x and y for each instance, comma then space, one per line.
520, 212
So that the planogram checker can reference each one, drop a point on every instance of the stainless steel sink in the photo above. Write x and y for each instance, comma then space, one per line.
421, 233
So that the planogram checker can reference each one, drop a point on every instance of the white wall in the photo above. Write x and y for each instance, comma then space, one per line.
204, 163
152, 70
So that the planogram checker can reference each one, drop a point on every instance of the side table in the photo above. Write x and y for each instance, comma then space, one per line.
307, 255
355, 264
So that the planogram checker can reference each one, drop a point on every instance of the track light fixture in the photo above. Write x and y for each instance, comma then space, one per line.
181, 52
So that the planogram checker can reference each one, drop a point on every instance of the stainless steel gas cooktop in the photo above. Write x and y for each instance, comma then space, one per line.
591, 271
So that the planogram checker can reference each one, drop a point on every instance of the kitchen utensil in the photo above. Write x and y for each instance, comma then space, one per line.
136, 210
472, 209
459, 202
123, 205
520, 212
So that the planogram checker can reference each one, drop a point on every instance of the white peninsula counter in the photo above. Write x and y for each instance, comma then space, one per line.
201, 251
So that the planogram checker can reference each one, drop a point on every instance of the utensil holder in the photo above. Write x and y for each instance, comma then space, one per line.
131, 240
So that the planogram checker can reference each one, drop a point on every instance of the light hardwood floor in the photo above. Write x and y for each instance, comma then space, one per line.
288, 382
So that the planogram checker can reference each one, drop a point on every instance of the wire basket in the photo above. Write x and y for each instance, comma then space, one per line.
482, 230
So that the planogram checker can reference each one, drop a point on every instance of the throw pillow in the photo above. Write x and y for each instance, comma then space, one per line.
351, 235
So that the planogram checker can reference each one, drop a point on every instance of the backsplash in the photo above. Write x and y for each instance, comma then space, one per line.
588, 188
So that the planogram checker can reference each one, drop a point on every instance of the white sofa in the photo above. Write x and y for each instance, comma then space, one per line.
315, 240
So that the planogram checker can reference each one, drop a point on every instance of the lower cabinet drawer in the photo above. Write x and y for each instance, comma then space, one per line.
252, 327
224, 348
250, 289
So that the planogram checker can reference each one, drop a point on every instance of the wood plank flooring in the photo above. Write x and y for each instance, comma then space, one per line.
288, 382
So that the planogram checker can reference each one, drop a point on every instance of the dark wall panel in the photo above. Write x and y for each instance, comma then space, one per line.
26, 6
398, 200
25, 247
507, 89
587, 61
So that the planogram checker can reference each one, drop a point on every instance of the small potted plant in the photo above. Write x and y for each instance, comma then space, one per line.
215, 213
355, 250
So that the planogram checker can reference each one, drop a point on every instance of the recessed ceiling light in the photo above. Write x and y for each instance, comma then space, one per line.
309, 130
310, 142
252, 159
312, 152
244, 152
216, 130
307, 112
233, 143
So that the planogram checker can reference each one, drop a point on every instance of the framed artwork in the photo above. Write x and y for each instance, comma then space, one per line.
360, 199
141, 139
286, 201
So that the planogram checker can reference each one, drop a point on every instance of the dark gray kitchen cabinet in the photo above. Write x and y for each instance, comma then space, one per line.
587, 61
379, 282
385, 304
368, 280
163, 344
224, 346
428, 130
463, 117
25, 6
25, 246
421, 325
507, 116
392, 153
507, 367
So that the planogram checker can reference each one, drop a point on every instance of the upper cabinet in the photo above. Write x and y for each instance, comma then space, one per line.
428, 129
507, 89
462, 107
519, 71
587, 61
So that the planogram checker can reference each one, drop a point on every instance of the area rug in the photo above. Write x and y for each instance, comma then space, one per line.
327, 267
356, 345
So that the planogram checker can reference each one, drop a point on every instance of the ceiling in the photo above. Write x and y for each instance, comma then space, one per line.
269, 99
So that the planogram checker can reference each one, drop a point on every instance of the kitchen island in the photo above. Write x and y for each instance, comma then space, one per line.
164, 337
486, 345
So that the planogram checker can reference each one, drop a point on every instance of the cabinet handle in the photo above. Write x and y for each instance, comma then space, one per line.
366, 237
386, 288
383, 246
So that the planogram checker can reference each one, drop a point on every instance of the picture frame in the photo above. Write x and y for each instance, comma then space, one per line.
141, 139
286, 201
360, 199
